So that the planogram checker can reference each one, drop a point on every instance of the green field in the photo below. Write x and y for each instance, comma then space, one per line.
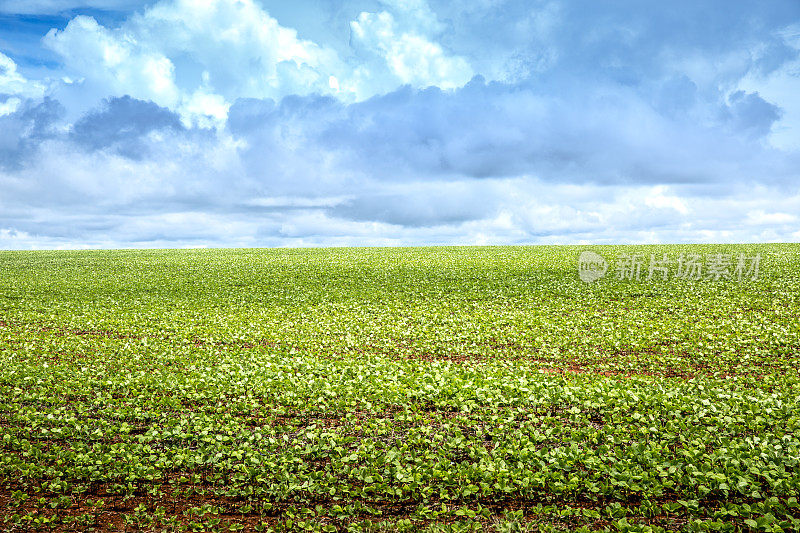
396, 389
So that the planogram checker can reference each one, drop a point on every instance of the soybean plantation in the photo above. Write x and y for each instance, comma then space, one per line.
398, 389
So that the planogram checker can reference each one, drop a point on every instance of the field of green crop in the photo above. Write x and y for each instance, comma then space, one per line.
401, 389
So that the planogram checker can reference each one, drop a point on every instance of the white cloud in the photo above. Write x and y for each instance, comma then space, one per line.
195, 57
671, 151
201, 194
204, 109
117, 61
243, 51
9, 106
760, 218
410, 56
659, 199
12, 82
296, 201
199, 57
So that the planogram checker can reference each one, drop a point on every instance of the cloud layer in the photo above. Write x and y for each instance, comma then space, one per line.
215, 124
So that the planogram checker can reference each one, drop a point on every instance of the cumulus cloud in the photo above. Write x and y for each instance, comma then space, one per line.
10, 80
489, 131
236, 47
116, 61
197, 58
193, 57
14, 86
311, 170
411, 57
215, 123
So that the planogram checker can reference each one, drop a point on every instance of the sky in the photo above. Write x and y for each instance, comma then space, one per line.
260, 123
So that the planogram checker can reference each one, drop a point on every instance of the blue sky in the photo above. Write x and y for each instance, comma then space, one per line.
172, 123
